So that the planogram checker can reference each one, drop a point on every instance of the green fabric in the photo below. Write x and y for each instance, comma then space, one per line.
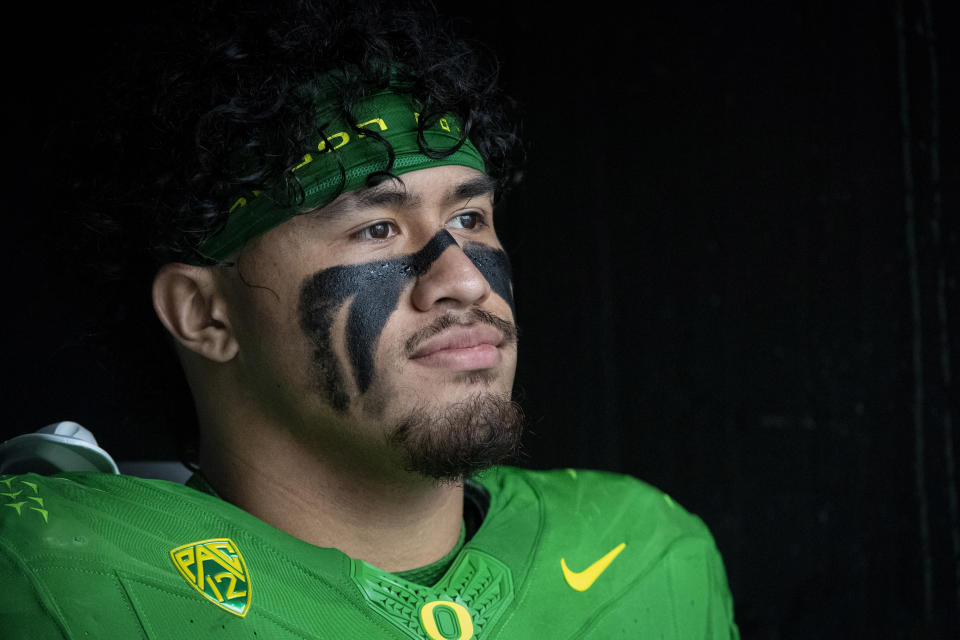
429, 574
342, 161
90, 554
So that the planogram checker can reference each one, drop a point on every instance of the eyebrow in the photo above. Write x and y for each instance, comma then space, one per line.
390, 194
482, 185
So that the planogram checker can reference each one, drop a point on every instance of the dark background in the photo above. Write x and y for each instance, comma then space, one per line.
715, 282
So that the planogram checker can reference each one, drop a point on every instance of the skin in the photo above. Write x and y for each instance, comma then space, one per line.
374, 290
273, 441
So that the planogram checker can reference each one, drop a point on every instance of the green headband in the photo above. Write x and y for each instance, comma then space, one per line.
394, 118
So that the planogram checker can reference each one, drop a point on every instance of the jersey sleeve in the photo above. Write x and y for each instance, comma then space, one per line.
721, 624
22, 609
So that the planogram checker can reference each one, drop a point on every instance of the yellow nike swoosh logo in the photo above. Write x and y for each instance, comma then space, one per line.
583, 580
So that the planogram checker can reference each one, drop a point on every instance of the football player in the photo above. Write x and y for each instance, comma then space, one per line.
319, 186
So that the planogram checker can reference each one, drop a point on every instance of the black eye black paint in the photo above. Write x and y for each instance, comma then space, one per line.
376, 288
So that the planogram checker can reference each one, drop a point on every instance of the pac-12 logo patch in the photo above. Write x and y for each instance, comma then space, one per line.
216, 569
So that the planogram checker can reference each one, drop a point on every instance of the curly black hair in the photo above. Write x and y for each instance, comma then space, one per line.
187, 104
227, 113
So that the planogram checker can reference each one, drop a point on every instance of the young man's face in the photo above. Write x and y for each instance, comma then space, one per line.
380, 328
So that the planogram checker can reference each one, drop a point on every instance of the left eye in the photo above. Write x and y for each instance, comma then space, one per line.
379, 231
466, 221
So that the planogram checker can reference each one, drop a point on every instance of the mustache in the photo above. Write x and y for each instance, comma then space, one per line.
511, 333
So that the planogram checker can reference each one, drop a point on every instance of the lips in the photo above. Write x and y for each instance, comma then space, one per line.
461, 348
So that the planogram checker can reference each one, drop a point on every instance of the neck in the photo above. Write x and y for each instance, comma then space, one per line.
393, 523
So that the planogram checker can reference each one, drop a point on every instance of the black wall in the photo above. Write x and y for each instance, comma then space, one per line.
715, 284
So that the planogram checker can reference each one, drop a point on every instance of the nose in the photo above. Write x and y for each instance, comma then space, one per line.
452, 281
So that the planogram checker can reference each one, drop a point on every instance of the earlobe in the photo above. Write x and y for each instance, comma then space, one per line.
191, 307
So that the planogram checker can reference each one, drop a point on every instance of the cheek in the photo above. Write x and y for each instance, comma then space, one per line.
390, 353
275, 350
266, 326
339, 341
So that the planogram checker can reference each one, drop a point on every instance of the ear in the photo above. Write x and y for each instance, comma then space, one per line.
192, 308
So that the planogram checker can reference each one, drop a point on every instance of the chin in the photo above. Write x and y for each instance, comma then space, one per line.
454, 440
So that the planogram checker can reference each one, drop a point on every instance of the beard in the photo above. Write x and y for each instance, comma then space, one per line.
455, 442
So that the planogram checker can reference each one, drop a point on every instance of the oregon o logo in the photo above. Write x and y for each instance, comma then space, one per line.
445, 620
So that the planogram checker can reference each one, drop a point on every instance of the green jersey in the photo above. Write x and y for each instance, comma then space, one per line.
560, 554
